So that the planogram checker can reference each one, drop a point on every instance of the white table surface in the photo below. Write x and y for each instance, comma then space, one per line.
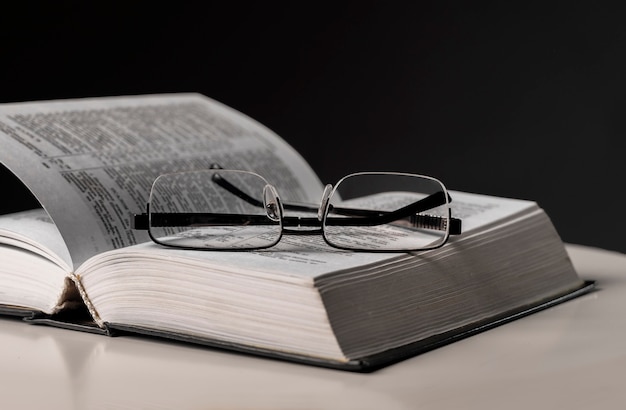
572, 356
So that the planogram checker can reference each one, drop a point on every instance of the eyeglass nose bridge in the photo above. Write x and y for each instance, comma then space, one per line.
328, 189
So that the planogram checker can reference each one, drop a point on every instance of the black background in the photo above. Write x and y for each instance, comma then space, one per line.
523, 100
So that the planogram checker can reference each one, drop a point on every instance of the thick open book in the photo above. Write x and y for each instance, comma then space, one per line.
77, 263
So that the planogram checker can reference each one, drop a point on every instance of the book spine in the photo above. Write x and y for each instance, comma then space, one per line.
92, 310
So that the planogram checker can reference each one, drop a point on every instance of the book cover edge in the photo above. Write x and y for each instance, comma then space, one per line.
369, 363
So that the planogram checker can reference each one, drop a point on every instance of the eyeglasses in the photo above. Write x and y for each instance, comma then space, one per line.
218, 209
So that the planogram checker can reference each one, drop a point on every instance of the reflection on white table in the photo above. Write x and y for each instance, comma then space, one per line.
572, 356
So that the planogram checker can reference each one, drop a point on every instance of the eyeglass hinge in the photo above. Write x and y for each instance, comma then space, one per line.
139, 221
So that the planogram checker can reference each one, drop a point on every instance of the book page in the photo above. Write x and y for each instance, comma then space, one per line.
34, 231
478, 211
91, 162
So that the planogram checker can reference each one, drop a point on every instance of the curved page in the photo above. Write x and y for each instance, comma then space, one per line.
91, 162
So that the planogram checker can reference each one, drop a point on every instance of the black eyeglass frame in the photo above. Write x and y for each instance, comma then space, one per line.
360, 217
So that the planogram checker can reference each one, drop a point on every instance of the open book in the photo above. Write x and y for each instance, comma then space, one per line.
77, 263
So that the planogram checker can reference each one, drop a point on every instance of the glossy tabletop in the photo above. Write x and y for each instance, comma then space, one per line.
572, 356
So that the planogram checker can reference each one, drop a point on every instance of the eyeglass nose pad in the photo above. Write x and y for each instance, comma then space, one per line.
272, 203
328, 189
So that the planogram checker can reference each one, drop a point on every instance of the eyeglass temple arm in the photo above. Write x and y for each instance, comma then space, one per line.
222, 182
371, 218
191, 219
430, 202
376, 217
364, 218
141, 222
